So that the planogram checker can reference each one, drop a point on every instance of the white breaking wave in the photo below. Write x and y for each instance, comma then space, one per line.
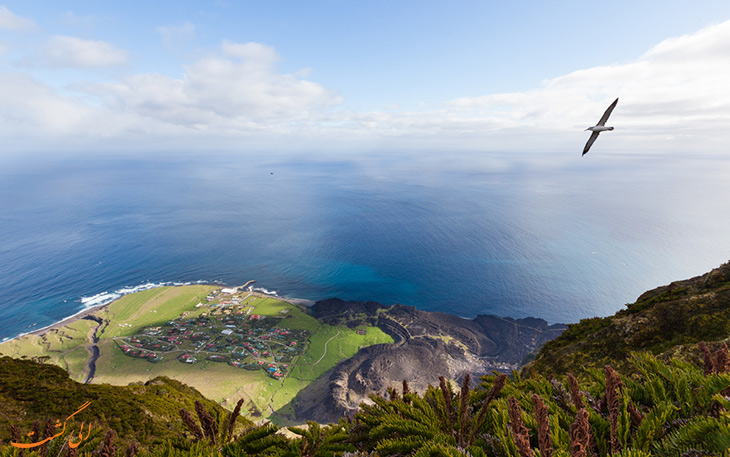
99, 299
264, 291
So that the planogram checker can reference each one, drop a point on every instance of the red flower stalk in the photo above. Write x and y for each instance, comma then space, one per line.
191, 424
543, 427
613, 400
519, 431
48, 431
232, 419
575, 392
109, 449
722, 360
493, 392
132, 450
16, 438
210, 428
464, 410
446, 392
709, 366
406, 390
580, 435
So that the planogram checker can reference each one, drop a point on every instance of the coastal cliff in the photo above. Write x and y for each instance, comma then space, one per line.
426, 345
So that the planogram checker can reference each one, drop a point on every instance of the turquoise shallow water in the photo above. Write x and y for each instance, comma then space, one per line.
468, 234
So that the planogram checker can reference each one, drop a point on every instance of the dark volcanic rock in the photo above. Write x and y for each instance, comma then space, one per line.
426, 345
333, 307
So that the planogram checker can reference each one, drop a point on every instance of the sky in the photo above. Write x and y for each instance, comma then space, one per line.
343, 75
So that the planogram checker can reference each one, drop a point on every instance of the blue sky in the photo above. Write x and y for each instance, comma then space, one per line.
475, 75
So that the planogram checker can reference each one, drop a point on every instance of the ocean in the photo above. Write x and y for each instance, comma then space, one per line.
551, 235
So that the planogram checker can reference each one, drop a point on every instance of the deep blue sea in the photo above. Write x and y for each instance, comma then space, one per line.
556, 236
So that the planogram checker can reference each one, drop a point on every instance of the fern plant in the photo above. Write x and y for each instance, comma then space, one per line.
673, 409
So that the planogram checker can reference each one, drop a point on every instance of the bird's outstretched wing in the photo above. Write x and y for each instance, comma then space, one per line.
593, 137
604, 118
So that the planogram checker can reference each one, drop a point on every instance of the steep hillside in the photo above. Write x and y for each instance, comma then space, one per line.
667, 321
146, 413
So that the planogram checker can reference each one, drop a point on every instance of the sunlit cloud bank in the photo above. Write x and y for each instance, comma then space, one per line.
672, 98
238, 90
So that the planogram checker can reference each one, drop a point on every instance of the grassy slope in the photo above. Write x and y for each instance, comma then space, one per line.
669, 320
64, 346
31, 391
341, 347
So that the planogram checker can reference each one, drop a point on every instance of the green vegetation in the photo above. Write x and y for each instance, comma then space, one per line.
74, 361
145, 413
341, 343
667, 321
64, 346
661, 409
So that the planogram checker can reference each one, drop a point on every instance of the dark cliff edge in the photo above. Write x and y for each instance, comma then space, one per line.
426, 345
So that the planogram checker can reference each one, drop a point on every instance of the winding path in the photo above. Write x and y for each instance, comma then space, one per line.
325, 346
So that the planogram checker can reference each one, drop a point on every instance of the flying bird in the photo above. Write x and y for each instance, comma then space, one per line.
600, 127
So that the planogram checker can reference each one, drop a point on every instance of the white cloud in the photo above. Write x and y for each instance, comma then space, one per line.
70, 52
30, 108
257, 53
176, 37
236, 90
82, 23
10, 21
